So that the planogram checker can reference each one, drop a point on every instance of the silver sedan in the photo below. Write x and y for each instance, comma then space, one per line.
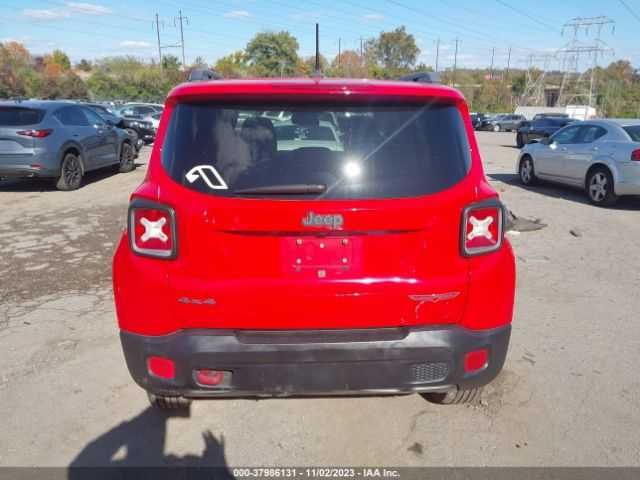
600, 156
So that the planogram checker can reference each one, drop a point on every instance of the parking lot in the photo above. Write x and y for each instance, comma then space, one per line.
569, 393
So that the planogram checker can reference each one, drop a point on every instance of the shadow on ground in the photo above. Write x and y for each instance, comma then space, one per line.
49, 184
560, 191
140, 442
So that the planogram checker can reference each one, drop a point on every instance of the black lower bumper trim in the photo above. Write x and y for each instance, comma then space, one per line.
320, 362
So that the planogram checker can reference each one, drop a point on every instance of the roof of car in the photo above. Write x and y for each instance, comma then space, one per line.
42, 104
621, 122
313, 86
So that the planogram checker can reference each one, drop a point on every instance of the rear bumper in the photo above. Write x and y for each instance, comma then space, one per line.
319, 362
25, 171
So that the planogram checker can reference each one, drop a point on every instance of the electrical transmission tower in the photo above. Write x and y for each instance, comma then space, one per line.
577, 87
534, 90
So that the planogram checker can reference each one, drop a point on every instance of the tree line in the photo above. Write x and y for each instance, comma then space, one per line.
275, 54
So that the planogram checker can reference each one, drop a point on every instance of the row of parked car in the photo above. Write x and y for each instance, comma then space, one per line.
600, 156
63, 140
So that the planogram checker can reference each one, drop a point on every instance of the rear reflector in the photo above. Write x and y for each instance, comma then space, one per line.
476, 360
161, 367
635, 155
152, 230
482, 229
210, 378
45, 132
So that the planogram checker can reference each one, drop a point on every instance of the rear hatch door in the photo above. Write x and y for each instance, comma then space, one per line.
362, 235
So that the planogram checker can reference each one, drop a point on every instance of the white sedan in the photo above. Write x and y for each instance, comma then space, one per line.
600, 156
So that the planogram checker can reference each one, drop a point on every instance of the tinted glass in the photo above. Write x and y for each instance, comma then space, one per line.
92, 117
591, 133
72, 116
633, 132
566, 136
378, 152
17, 116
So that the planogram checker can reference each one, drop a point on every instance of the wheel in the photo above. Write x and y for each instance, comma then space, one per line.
527, 172
497, 127
454, 397
126, 158
519, 140
168, 403
600, 187
70, 173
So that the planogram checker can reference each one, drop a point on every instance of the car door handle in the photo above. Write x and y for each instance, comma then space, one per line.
595, 149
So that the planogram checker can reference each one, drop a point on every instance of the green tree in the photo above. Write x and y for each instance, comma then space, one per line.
272, 54
234, 65
60, 58
395, 52
84, 65
349, 65
170, 62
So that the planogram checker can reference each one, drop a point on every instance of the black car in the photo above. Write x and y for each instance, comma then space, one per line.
479, 121
143, 128
542, 128
539, 116
117, 121
504, 123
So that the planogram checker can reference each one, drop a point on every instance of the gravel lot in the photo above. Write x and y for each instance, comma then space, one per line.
569, 393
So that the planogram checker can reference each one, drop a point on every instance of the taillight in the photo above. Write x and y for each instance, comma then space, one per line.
635, 155
152, 230
41, 133
161, 367
482, 228
476, 360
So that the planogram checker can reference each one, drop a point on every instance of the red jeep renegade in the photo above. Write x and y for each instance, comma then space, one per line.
310, 237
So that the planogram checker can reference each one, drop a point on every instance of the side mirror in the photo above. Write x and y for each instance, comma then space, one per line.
546, 141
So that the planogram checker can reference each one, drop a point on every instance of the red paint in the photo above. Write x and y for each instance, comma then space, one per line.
241, 252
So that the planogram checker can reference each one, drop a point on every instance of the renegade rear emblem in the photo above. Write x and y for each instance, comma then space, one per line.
332, 221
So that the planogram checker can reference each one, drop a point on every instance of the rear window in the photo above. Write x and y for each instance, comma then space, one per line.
633, 132
18, 116
376, 151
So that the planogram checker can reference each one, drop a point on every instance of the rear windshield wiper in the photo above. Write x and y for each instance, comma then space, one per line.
293, 189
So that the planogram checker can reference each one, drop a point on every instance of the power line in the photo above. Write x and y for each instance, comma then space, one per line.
630, 10
525, 14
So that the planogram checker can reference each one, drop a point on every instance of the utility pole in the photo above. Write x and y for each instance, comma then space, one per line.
508, 64
455, 65
180, 18
159, 47
437, 52
493, 54
339, 49
361, 50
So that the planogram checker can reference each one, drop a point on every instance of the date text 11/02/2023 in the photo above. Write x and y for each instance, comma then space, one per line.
315, 472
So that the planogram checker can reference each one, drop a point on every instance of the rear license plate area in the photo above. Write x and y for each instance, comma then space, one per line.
320, 257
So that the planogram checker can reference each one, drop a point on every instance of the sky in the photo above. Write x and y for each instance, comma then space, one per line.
531, 29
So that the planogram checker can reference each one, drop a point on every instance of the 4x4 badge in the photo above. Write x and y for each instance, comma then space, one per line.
333, 221
200, 171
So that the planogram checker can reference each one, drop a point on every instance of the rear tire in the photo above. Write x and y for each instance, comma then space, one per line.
497, 127
71, 173
127, 163
600, 187
454, 397
519, 140
168, 403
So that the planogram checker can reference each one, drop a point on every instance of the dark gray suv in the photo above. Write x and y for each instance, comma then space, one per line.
59, 140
